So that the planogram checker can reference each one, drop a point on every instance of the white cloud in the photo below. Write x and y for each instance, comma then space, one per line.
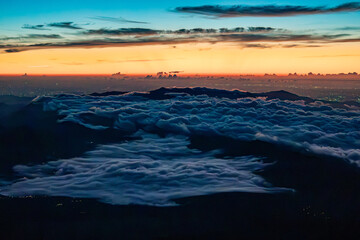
151, 171
292, 123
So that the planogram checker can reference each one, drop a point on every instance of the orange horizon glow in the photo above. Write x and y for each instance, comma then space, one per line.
179, 75
192, 59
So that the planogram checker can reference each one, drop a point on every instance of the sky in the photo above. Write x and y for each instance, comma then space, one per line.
206, 37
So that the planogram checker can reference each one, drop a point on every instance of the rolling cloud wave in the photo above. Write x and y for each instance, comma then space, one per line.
152, 171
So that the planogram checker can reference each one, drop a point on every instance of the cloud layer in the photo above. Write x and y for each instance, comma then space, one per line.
221, 11
152, 171
250, 37
259, 37
159, 166
303, 126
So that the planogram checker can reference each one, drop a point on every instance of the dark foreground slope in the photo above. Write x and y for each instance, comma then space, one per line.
221, 216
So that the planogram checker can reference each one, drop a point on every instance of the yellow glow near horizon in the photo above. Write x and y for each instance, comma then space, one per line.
190, 58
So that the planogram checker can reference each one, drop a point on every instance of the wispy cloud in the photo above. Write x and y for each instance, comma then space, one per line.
35, 27
348, 28
33, 36
13, 50
121, 31
117, 20
252, 37
221, 11
257, 45
148, 31
67, 25
261, 29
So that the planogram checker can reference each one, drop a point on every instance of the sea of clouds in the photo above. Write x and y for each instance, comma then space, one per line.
151, 171
154, 169
314, 127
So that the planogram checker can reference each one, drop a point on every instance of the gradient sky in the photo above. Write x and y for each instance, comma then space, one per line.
103, 37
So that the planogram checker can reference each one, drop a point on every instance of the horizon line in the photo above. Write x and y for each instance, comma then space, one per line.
182, 74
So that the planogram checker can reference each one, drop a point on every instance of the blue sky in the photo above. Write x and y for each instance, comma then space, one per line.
158, 14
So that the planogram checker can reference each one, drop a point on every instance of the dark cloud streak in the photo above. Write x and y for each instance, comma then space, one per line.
121, 31
348, 29
13, 50
33, 36
67, 25
147, 31
117, 20
222, 11
35, 27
